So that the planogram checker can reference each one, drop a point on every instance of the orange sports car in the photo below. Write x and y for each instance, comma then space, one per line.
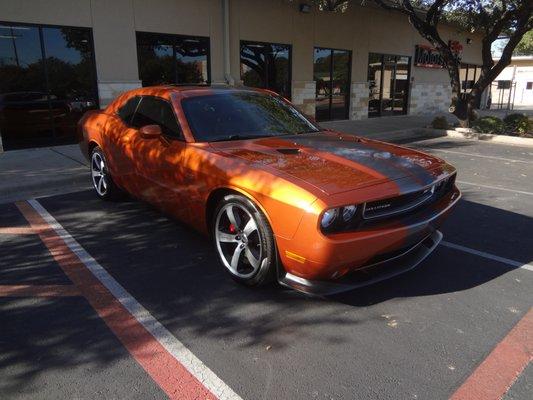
282, 199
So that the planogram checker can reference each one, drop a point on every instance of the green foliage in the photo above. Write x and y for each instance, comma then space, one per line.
439, 123
489, 124
525, 46
518, 123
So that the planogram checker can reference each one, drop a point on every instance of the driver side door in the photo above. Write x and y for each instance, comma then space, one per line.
159, 161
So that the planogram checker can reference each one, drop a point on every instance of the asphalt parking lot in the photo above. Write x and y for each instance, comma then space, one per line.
460, 325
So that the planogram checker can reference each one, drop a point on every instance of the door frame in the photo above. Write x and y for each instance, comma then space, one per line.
381, 80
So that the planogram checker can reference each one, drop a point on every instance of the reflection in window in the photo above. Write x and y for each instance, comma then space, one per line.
388, 82
168, 59
331, 72
267, 66
42, 95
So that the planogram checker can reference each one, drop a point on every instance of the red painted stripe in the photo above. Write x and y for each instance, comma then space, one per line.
173, 378
39, 291
497, 373
17, 230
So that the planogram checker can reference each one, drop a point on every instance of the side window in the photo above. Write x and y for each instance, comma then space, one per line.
154, 111
128, 109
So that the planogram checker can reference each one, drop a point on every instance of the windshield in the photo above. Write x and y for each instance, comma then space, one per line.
242, 115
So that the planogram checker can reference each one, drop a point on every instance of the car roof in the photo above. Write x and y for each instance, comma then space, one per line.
195, 90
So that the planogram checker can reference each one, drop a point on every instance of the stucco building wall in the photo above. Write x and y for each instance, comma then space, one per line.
361, 30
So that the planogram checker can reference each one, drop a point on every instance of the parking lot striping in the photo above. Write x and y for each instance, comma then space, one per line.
490, 256
512, 160
495, 187
179, 373
17, 230
39, 291
497, 373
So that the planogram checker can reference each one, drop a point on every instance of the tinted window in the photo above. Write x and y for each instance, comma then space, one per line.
154, 111
47, 79
529, 85
267, 66
126, 111
165, 59
241, 115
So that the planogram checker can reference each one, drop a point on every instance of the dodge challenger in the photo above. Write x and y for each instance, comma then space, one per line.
282, 199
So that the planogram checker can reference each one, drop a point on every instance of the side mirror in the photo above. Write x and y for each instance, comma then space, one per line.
150, 131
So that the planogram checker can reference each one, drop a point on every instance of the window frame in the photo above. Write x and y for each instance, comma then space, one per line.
256, 42
181, 135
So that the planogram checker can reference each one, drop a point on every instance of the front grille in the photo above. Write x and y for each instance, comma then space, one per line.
407, 202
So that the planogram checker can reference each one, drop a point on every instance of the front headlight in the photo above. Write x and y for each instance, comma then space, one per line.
339, 218
329, 217
348, 212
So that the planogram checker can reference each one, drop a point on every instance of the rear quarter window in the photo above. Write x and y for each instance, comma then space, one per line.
126, 111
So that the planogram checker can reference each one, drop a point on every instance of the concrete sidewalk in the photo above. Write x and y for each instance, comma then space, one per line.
390, 129
41, 172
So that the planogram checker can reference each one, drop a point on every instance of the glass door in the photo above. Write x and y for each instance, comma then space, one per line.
388, 81
331, 72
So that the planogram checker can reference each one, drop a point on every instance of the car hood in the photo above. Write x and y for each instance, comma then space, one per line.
336, 163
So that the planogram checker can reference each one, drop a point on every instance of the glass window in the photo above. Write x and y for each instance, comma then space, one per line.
529, 86
168, 59
47, 81
155, 111
128, 109
375, 65
242, 115
504, 84
267, 66
468, 73
331, 72
388, 82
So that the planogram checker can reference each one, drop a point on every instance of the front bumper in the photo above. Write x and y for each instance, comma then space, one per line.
403, 261
313, 256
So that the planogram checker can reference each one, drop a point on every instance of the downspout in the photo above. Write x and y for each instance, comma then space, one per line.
226, 44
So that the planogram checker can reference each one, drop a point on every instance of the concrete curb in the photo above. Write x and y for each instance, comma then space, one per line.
470, 135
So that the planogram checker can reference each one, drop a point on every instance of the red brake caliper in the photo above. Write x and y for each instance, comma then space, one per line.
232, 228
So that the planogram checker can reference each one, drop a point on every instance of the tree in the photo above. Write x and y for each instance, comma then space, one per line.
525, 46
491, 18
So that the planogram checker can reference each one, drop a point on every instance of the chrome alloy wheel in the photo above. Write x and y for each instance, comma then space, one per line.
99, 173
238, 240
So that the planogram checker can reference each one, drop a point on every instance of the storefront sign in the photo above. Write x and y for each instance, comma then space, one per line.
427, 57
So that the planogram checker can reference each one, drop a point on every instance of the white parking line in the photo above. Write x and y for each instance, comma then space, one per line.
169, 342
481, 156
489, 256
496, 188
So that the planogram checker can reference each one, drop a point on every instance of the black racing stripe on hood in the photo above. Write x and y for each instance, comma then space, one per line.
383, 162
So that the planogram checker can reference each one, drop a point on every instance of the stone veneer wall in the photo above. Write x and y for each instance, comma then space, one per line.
429, 98
359, 100
108, 91
303, 96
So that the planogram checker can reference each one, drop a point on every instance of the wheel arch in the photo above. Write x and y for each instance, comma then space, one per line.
218, 194
91, 146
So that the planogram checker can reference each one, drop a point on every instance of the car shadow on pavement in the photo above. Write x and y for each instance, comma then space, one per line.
476, 226
174, 273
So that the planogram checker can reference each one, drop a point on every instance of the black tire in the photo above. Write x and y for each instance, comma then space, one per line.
260, 243
105, 187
